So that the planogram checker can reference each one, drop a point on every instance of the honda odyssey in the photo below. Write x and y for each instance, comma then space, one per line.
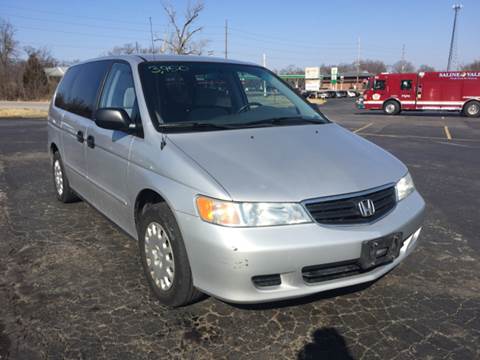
232, 184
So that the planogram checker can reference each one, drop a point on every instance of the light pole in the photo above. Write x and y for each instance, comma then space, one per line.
456, 8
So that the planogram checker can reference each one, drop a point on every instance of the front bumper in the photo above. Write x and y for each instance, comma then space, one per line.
224, 260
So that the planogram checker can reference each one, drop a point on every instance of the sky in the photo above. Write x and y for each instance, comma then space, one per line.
302, 33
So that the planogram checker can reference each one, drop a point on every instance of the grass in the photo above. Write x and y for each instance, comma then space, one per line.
19, 113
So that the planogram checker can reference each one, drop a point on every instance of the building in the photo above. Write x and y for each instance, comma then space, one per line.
345, 81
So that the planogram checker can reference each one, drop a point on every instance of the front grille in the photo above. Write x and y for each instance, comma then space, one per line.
344, 210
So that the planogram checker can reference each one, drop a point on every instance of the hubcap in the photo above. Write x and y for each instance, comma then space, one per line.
57, 173
473, 109
159, 254
390, 108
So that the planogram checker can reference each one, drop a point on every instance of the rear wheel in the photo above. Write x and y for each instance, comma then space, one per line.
62, 187
391, 107
472, 109
164, 257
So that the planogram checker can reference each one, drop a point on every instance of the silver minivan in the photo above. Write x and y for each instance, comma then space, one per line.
232, 184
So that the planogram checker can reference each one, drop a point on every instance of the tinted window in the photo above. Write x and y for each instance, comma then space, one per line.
406, 84
379, 85
85, 88
119, 91
78, 91
64, 89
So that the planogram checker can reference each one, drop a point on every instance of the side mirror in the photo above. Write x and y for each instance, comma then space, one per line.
113, 119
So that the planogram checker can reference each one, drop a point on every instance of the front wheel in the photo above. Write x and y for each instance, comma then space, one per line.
472, 109
391, 107
164, 257
62, 187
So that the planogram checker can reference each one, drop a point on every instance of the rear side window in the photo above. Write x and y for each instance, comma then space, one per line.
63, 91
78, 91
379, 85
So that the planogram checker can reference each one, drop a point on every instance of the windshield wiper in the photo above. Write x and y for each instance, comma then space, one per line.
286, 120
198, 126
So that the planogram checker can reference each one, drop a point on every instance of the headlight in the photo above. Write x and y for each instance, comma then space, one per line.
239, 214
404, 187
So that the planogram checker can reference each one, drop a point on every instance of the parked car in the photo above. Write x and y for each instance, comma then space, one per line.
330, 94
246, 196
353, 93
341, 93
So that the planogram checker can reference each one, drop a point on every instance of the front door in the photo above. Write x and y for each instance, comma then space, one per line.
108, 150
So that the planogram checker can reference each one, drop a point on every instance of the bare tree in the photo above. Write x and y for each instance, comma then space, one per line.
373, 66
35, 81
181, 39
426, 68
473, 66
8, 44
43, 55
403, 66
291, 70
123, 50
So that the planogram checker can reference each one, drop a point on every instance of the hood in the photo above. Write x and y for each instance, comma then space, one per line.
290, 163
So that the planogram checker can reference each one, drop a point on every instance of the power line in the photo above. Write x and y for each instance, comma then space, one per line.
80, 24
8, 7
118, 37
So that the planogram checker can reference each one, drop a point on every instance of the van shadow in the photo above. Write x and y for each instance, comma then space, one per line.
306, 299
326, 343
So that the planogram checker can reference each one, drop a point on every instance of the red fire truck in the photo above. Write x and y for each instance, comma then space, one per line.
449, 90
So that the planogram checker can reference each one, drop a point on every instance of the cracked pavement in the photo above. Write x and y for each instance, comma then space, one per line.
71, 284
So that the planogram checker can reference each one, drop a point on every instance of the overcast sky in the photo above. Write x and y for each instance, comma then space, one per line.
304, 33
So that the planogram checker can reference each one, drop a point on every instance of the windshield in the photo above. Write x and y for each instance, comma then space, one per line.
180, 94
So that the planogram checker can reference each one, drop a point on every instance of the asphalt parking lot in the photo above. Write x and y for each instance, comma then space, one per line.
71, 283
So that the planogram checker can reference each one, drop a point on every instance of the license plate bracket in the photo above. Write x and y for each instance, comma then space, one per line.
380, 251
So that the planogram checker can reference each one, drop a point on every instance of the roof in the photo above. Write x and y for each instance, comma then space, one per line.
169, 58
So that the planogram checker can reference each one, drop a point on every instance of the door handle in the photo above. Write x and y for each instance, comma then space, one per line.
90, 141
80, 136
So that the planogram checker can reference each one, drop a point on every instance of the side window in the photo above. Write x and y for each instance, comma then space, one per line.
64, 89
84, 91
119, 91
379, 85
405, 84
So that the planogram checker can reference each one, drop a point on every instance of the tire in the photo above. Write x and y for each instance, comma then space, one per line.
164, 258
62, 187
472, 109
391, 107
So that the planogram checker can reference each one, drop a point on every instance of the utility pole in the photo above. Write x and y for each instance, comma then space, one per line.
264, 82
136, 47
151, 34
403, 58
226, 39
358, 62
164, 43
456, 8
